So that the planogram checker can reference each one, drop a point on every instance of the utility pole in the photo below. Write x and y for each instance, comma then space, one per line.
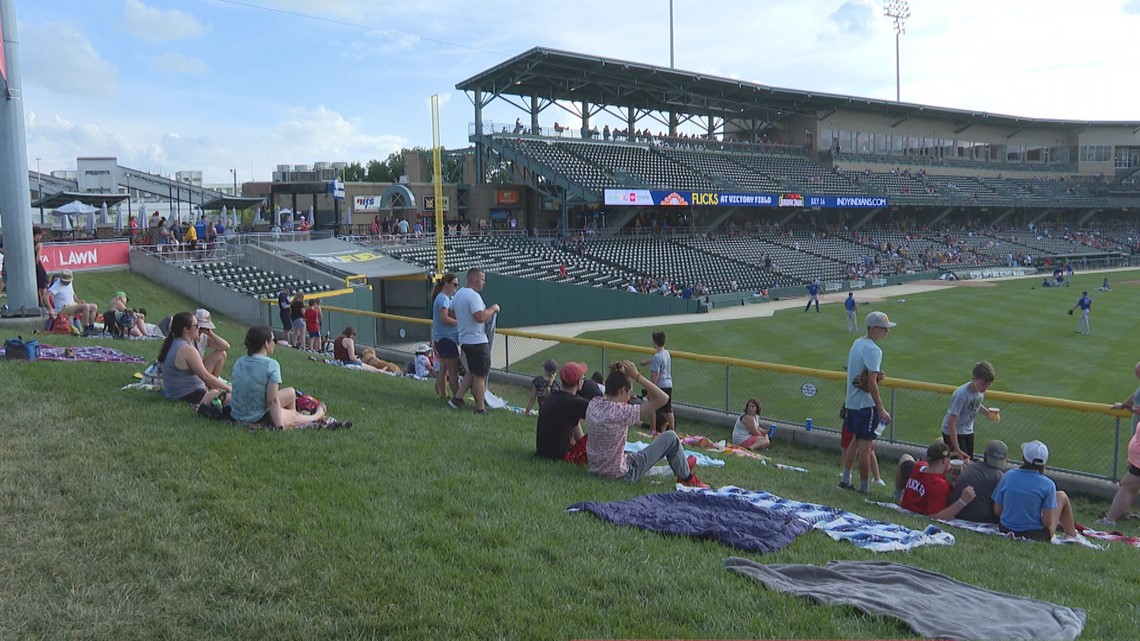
900, 11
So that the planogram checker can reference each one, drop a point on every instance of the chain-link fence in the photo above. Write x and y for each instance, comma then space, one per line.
1086, 439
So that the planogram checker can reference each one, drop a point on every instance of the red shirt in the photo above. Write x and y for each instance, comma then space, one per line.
925, 493
312, 319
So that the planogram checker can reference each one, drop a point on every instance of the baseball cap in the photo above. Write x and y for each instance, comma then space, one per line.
203, 317
66, 276
550, 365
996, 454
423, 348
1035, 453
879, 319
121, 294
571, 373
937, 451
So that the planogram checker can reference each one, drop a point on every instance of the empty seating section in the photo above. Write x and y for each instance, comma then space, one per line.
646, 167
723, 171
574, 168
799, 174
1046, 245
678, 263
252, 280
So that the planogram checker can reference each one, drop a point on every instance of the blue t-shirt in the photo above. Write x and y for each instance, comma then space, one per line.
865, 356
1023, 494
251, 376
200, 229
849, 304
1085, 303
438, 328
813, 289
465, 304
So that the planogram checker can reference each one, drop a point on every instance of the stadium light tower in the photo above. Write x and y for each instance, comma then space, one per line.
900, 11
671, 66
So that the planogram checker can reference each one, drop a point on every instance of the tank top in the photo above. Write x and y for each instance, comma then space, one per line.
177, 383
340, 352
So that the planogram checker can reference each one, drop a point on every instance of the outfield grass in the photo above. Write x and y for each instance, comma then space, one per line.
127, 517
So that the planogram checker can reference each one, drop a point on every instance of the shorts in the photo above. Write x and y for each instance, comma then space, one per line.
446, 348
41, 276
667, 408
1039, 534
478, 358
316, 334
965, 443
298, 323
286, 319
861, 423
194, 397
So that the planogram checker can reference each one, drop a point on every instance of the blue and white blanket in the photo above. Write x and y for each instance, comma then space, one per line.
992, 528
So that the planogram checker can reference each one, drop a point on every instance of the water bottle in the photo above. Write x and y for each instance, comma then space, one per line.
771, 432
882, 427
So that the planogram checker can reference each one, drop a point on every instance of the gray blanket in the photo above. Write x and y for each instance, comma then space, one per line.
926, 601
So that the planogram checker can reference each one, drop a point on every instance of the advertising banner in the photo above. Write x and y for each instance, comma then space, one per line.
663, 198
366, 203
80, 256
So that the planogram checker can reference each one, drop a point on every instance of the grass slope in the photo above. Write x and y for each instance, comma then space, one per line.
127, 517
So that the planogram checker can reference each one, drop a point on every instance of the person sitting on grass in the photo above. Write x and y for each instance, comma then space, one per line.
558, 433
925, 488
210, 341
67, 302
258, 398
543, 385
344, 351
983, 477
184, 375
120, 320
749, 432
1027, 502
608, 419
592, 387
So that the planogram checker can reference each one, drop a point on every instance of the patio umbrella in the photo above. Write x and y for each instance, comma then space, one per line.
91, 219
257, 215
65, 223
75, 207
104, 217
281, 213
224, 214
120, 222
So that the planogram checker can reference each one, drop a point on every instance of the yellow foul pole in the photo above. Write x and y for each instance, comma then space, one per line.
437, 179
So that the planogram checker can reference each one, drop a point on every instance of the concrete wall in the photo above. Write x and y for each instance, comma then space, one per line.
266, 259
217, 298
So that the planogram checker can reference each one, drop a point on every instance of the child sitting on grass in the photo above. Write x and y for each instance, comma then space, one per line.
543, 385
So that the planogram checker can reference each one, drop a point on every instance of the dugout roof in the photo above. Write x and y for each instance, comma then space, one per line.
556, 75
350, 258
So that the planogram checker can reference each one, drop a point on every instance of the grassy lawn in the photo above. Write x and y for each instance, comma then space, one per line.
127, 517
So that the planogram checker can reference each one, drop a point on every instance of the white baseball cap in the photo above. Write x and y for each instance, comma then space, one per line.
1035, 452
879, 319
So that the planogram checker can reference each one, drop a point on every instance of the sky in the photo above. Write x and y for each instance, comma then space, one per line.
245, 85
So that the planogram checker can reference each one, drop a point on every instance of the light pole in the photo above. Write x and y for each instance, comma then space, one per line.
900, 11
671, 35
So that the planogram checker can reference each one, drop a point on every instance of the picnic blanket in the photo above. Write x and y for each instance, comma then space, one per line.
992, 528
924, 600
841, 525
89, 353
724, 519
703, 460
728, 448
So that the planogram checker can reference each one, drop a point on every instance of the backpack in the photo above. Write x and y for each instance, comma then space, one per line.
17, 349
215, 411
61, 324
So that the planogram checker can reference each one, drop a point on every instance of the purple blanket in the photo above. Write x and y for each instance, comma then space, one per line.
95, 353
731, 521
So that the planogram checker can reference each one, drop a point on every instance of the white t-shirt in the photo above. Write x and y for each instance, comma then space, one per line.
63, 294
465, 304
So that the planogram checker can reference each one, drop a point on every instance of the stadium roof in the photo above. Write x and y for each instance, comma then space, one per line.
556, 75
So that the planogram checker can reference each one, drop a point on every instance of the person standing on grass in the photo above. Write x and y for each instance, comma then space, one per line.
1085, 305
283, 308
297, 321
1027, 502
813, 296
313, 324
1130, 484
608, 419
558, 431
965, 404
445, 335
863, 408
661, 369
850, 306
258, 398
471, 314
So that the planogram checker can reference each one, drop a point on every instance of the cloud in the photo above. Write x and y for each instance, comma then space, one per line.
61, 58
852, 18
178, 63
1131, 7
160, 25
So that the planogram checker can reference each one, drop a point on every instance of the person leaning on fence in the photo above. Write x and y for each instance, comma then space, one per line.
258, 398
608, 419
1130, 484
184, 375
748, 431
1027, 503
558, 430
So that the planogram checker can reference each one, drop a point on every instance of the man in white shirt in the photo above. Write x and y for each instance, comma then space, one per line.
65, 302
470, 315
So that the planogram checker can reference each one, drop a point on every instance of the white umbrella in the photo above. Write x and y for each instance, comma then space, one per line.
104, 218
310, 218
75, 207
225, 212
91, 219
257, 214
65, 222
281, 213
120, 223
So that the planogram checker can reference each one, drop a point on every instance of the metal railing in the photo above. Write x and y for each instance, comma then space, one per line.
1086, 439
